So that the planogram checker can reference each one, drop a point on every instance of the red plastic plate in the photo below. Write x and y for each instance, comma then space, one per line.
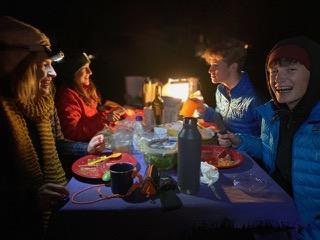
210, 154
80, 167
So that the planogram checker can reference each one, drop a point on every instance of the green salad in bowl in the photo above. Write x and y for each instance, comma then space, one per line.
162, 153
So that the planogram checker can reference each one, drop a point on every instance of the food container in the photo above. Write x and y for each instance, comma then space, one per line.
121, 141
162, 153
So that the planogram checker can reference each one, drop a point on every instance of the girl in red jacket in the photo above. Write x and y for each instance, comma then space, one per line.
77, 100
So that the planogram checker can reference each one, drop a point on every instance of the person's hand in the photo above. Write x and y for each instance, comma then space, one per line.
229, 139
97, 144
200, 105
111, 104
50, 194
115, 114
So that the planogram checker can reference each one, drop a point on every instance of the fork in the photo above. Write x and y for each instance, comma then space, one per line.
222, 154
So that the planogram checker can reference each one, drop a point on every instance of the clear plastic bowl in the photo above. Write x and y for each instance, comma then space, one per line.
162, 153
250, 183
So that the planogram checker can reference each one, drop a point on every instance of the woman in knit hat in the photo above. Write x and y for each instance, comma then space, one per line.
32, 178
78, 100
289, 145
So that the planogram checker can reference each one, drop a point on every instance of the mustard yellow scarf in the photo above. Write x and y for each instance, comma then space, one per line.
39, 111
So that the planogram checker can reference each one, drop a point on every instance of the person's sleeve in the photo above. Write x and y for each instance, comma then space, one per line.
68, 150
213, 114
209, 114
311, 231
74, 124
251, 145
253, 106
255, 116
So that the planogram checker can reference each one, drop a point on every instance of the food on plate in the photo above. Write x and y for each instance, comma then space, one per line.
94, 161
81, 168
225, 161
221, 157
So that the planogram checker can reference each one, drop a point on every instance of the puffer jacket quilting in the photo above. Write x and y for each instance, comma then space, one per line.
305, 161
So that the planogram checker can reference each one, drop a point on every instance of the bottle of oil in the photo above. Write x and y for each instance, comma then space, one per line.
157, 106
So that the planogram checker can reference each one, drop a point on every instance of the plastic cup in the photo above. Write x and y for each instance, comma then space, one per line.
188, 108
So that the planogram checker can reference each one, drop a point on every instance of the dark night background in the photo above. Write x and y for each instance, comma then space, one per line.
159, 38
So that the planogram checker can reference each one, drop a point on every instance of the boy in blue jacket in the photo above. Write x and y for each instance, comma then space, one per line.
236, 98
289, 145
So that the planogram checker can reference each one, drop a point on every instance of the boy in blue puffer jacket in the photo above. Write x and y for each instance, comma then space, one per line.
289, 145
236, 98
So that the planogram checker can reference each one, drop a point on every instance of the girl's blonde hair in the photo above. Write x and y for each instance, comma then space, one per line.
22, 84
88, 94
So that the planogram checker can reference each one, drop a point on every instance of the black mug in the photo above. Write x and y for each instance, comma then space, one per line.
121, 177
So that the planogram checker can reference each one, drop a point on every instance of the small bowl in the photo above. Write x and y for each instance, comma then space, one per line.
161, 153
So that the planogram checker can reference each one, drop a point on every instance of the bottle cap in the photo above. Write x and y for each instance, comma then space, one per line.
138, 118
190, 120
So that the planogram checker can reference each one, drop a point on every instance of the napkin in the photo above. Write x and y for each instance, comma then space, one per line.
209, 173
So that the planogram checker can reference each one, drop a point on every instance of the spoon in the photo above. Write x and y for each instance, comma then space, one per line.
103, 158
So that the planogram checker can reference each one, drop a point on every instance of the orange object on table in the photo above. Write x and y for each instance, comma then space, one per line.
188, 108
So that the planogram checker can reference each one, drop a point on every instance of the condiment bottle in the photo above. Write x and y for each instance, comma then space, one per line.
157, 106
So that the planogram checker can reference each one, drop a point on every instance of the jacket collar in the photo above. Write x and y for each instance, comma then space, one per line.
240, 88
267, 111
